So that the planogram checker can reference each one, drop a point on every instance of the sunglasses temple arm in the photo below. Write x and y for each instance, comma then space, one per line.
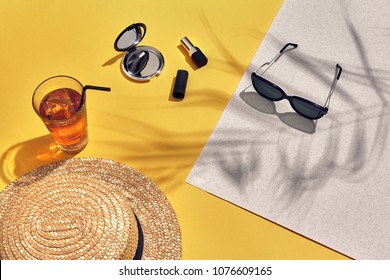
332, 88
269, 63
281, 52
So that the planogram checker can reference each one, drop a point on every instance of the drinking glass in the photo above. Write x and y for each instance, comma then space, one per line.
60, 102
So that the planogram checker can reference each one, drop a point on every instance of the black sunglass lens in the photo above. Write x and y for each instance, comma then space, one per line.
307, 108
267, 90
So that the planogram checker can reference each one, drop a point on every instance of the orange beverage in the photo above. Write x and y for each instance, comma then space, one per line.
60, 104
66, 122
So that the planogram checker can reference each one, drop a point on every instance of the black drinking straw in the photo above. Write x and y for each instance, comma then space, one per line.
95, 88
86, 87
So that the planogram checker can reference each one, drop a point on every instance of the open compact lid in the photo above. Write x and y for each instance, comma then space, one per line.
130, 37
140, 63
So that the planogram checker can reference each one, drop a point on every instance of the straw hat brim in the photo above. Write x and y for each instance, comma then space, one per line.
160, 228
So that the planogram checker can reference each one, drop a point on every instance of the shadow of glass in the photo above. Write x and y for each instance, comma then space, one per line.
292, 119
26, 156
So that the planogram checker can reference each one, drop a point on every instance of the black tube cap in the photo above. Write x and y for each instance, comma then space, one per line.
179, 88
199, 58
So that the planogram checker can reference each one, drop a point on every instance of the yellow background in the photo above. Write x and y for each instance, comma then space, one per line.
139, 123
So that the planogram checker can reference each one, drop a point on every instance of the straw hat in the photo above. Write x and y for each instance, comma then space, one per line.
87, 208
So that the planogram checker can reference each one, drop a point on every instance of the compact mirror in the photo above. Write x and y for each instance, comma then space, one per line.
140, 63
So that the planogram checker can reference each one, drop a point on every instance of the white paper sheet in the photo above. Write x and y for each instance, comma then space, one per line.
327, 180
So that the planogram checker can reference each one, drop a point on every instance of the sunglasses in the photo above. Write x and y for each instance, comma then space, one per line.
302, 106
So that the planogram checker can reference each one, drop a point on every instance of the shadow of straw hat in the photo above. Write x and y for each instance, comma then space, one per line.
87, 208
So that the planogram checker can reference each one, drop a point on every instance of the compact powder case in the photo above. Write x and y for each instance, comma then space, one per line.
140, 63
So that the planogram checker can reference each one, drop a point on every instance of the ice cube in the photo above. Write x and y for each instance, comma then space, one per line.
58, 108
60, 93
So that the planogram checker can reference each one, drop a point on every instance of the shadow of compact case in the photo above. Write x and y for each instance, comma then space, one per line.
140, 63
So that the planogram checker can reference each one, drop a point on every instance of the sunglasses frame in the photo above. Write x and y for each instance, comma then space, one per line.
322, 110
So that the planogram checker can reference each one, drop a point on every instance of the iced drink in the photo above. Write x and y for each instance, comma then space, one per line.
66, 123
60, 104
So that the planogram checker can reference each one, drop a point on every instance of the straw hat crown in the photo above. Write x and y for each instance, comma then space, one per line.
87, 208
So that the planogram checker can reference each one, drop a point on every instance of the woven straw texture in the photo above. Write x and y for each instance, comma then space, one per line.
83, 209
